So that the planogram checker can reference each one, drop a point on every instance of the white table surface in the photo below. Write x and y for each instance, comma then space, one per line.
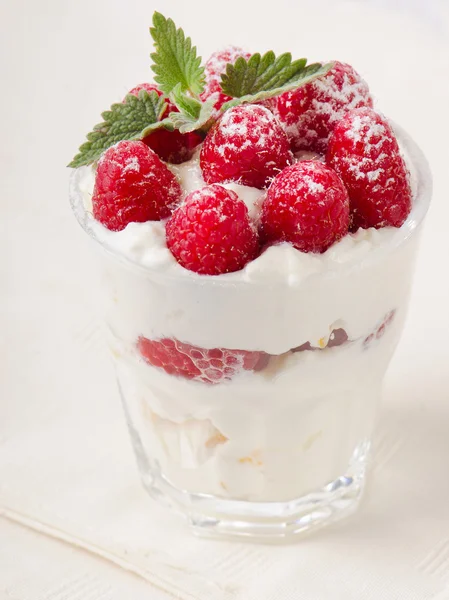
63, 62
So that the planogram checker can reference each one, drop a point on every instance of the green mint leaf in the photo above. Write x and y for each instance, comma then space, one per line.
132, 119
262, 77
259, 73
191, 107
186, 122
175, 60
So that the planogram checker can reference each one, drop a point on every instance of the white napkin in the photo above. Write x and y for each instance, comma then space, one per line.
36, 567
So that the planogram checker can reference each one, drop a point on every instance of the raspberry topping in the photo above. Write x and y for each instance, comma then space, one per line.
199, 364
306, 205
172, 146
364, 151
132, 184
310, 113
247, 145
211, 232
213, 70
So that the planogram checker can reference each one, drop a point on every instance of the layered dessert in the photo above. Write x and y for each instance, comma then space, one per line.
256, 231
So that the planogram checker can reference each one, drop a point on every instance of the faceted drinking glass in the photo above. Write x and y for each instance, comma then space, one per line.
281, 444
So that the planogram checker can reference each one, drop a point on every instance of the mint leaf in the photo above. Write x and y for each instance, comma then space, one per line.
132, 119
259, 73
262, 77
195, 116
186, 104
175, 60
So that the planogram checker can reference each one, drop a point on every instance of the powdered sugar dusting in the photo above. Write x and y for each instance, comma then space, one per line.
308, 206
368, 137
132, 164
235, 131
365, 153
247, 145
314, 186
132, 184
214, 68
310, 113
216, 64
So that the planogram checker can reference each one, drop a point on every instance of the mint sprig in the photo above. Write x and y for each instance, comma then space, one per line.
175, 61
193, 114
263, 77
133, 119
180, 76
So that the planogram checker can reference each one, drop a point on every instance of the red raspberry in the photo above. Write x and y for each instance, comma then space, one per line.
310, 113
211, 232
213, 70
380, 329
172, 146
132, 184
247, 145
306, 205
364, 151
199, 364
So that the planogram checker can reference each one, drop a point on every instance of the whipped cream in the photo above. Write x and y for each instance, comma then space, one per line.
268, 436
311, 292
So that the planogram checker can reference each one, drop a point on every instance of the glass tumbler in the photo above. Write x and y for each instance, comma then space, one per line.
259, 422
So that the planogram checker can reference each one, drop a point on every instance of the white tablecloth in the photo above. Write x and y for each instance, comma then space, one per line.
66, 466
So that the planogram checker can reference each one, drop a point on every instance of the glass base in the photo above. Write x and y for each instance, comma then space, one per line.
213, 516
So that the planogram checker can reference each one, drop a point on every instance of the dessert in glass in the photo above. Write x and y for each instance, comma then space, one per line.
257, 260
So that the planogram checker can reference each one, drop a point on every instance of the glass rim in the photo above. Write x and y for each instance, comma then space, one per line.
415, 160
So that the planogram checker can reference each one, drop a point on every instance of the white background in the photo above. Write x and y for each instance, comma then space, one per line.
62, 63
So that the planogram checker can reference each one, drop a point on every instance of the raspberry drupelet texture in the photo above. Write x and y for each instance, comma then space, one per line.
199, 364
172, 146
364, 151
306, 205
247, 145
132, 184
213, 70
310, 113
211, 233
